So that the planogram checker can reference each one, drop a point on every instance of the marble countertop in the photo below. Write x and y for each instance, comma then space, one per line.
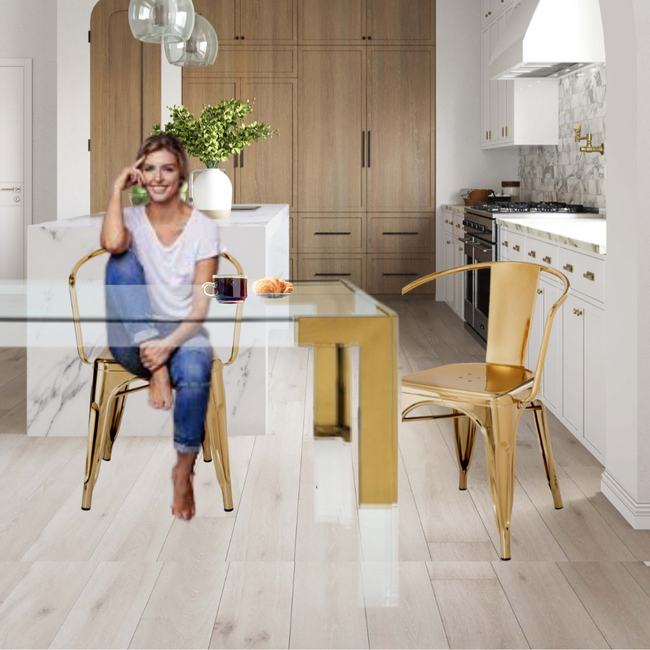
238, 218
587, 234
457, 209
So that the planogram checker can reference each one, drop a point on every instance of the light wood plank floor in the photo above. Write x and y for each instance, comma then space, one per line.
275, 572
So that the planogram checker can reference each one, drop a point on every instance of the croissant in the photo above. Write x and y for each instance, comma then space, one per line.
272, 285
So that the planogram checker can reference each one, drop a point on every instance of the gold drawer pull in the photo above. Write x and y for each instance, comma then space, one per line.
568, 267
539, 291
332, 233
589, 276
460, 249
532, 254
548, 260
505, 243
577, 312
333, 275
449, 242
458, 225
400, 233
516, 247
401, 274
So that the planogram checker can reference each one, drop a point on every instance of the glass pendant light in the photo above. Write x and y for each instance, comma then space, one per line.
161, 21
200, 49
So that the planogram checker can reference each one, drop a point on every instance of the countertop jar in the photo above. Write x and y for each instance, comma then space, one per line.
511, 188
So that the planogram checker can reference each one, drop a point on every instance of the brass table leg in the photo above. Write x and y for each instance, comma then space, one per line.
378, 394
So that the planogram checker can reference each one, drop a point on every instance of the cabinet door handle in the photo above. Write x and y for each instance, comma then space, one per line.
460, 248
400, 233
368, 149
241, 160
516, 247
332, 233
505, 243
449, 242
532, 254
577, 312
506, 126
363, 149
333, 275
547, 259
568, 267
401, 274
236, 157
539, 291
589, 276
502, 131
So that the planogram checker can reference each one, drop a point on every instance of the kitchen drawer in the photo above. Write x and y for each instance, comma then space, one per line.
541, 252
585, 273
332, 234
458, 229
404, 234
332, 267
449, 222
512, 246
388, 275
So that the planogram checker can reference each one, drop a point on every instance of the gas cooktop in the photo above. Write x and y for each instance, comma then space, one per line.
527, 207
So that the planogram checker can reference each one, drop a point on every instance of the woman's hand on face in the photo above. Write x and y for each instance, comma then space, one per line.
155, 353
130, 176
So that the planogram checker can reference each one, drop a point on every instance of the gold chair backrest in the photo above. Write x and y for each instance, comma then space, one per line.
72, 286
513, 293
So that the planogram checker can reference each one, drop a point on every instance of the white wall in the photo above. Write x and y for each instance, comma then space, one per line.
626, 481
460, 161
27, 33
73, 75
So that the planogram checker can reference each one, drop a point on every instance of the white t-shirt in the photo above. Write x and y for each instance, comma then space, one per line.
169, 270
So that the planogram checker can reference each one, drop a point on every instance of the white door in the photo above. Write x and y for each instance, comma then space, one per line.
12, 170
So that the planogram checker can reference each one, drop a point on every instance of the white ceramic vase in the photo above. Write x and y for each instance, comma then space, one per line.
211, 192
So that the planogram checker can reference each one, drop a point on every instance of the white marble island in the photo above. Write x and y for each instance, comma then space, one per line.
58, 383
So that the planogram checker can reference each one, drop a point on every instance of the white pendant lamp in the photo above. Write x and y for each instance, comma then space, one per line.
161, 21
200, 49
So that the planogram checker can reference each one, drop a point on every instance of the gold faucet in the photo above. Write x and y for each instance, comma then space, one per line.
589, 148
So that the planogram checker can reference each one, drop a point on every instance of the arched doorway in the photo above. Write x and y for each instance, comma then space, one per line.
124, 95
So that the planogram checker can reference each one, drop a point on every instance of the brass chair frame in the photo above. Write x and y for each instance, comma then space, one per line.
497, 409
111, 386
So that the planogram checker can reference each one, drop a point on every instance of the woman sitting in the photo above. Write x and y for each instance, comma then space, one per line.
161, 254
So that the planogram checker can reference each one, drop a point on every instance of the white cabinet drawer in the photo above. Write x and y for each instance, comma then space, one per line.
449, 222
458, 228
512, 246
541, 252
585, 273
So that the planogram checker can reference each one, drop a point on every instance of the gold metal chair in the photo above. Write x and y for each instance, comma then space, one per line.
110, 388
493, 395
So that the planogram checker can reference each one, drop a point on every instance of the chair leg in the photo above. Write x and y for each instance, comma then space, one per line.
464, 436
217, 431
103, 384
114, 418
541, 425
500, 446
207, 453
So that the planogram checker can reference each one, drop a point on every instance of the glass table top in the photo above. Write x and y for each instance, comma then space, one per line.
43, 302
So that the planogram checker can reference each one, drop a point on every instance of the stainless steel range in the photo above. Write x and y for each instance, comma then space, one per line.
481, 245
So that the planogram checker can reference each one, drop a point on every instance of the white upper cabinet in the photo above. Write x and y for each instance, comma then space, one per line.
517, 112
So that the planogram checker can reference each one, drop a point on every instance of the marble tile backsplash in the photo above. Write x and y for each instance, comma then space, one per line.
555, 173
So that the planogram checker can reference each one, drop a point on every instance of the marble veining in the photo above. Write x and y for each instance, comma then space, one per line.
456, 209
549, 173
586, 234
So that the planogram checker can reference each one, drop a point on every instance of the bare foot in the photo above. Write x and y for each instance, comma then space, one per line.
183, 507
160, 389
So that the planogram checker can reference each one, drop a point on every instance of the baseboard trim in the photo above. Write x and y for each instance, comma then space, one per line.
636, 513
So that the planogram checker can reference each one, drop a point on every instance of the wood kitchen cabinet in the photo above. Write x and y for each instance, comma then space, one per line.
265, 171
331, 124
369, 150
400, 129
379, 22
251, 22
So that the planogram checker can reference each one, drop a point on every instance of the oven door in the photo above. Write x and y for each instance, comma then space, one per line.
477, 287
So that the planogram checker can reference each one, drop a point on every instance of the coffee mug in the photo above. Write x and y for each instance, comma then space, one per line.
227, 289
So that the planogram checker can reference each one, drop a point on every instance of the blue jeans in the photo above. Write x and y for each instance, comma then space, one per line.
190, 365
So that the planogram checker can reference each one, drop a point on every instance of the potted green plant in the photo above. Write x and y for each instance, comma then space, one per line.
214, 137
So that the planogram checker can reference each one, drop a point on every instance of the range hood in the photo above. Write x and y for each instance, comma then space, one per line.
549, 38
